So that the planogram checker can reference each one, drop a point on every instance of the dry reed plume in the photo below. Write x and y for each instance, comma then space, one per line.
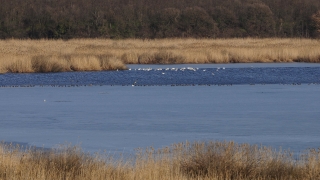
104, 54
212, 160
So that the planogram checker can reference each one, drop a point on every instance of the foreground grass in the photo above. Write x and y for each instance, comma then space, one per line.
103, 54
199, 160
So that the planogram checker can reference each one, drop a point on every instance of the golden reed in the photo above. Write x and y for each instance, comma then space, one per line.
105, 54
184, 161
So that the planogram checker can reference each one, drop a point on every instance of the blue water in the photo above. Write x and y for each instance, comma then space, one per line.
122, 118
172, 75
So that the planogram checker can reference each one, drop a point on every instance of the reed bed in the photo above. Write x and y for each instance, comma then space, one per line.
105, 54
198, 160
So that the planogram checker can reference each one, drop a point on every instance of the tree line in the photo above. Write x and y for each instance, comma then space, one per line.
65, 19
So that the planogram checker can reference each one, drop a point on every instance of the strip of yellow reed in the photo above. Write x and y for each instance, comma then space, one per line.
105, 54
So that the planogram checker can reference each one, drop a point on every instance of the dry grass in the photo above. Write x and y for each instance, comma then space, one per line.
212, 160
26, 56
104, 54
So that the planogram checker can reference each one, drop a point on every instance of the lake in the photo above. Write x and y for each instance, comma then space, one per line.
175, 75
269, 104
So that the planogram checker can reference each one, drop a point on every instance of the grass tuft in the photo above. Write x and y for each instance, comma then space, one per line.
46, 64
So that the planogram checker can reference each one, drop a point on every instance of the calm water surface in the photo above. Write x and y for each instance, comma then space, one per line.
120, 118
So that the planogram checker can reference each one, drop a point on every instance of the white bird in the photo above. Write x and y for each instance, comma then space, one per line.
191, 68
134, 83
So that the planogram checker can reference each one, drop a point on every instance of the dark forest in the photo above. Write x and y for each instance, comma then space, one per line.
118, 19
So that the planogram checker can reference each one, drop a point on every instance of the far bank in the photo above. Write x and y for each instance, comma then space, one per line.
27, 56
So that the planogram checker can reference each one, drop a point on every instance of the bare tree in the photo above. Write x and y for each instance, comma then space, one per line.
316, 20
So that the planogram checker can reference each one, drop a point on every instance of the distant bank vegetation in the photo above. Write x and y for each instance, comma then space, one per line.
23, 56
183, 161
65, 19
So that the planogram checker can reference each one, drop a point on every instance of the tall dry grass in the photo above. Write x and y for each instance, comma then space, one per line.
26, 56
199, 160
104, 54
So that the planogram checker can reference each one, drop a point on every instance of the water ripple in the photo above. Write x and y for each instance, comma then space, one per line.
169, 76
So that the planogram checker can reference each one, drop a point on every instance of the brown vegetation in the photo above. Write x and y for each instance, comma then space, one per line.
103, 54
212, 160
316, 20
25, 56
68, 19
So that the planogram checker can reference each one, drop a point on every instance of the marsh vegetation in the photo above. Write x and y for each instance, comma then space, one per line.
198, 160
21, 56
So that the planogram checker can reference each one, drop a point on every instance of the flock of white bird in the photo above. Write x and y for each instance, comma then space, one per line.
172, 69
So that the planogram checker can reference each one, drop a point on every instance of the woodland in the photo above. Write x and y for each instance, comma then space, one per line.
150, 19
